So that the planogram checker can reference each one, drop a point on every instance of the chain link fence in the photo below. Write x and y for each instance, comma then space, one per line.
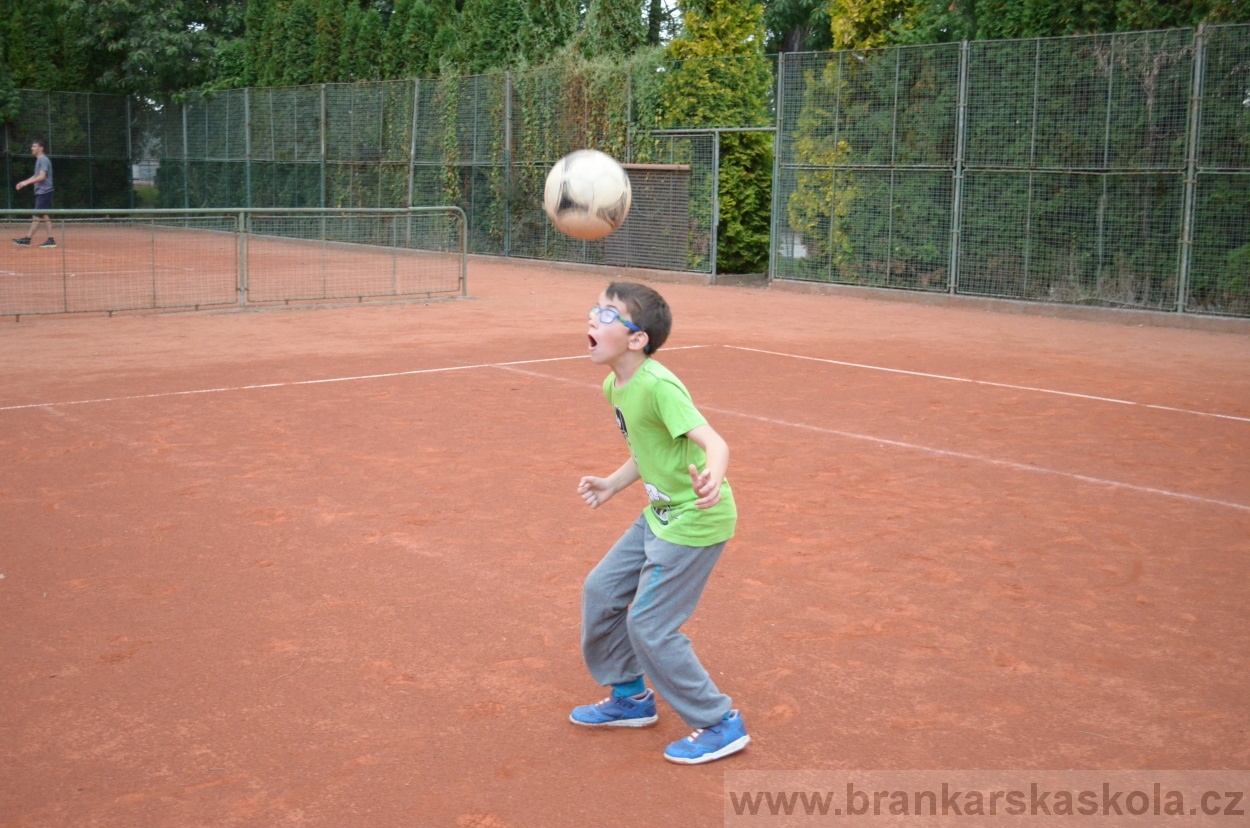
1110, 170
88, 138
109, 260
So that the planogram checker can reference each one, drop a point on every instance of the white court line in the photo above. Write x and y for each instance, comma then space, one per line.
979, 459
294, 383
1098, 481
727, 412
994, 384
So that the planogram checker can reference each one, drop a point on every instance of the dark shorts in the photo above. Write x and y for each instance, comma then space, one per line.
43, 201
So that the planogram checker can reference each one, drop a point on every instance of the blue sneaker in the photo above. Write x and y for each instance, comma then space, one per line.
727, 736
626, 711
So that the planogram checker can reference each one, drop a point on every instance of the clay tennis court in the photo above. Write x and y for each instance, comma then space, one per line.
323, 567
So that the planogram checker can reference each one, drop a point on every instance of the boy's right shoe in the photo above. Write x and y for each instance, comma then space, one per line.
24, 241
614, 711
51, 242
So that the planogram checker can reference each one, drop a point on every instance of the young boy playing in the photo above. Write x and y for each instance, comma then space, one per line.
636, 599
42, 181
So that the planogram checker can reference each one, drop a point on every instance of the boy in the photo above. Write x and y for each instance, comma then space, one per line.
42, 179
636, 599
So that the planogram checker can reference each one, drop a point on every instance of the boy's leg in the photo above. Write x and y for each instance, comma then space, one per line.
670, 586
606, 596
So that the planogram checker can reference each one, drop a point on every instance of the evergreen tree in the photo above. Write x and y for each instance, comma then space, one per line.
419, 40
330, 28
299, 44
613, 27
493, 30
230, 67
269, 67
368, 48
47, 47
447, 53
349, 68
394, 42
552, 23
712, 88
10, 102
255, 21
864, 24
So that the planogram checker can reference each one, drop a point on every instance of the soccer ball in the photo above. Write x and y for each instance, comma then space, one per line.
587, 195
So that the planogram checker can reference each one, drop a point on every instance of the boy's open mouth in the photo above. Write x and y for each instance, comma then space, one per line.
593, 343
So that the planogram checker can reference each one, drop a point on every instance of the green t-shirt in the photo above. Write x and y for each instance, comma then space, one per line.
654, 412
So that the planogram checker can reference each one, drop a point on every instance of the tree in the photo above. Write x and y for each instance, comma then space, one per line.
613, 27
160, 46
367, 58
492, 30
44, 47
394, 41
552, 23
10, 103
864, 24
797, 26
299, 42
724, 80
362, 44
330, 25
419, 40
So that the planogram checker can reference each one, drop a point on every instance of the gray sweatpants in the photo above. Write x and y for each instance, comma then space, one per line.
663, 581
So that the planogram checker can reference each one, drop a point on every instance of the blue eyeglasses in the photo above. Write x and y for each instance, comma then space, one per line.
607, 316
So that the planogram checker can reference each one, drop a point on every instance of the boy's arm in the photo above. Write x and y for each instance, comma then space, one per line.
597, 491
707, 484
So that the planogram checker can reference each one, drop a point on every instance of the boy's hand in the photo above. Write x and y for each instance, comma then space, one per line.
596, 491
705, 487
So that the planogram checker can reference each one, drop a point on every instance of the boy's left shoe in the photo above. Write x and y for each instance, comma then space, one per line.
708, 744
51, 242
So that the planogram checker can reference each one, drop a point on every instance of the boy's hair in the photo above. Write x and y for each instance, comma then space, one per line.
41, 143
647, 309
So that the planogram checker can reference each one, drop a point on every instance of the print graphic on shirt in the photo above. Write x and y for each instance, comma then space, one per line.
620, 422
658, 496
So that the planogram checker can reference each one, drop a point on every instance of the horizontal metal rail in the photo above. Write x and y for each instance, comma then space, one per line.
108, 260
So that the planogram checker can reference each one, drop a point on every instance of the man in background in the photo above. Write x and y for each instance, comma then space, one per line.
42, 181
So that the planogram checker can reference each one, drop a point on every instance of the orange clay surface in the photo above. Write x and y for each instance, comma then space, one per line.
322, 567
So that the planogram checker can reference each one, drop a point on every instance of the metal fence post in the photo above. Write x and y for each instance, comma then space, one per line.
90, 158
961, 143
715, 200
323, 147
1191, 168
412, 157
507, 164
186, 162
412, 138
241, 229
130, 156
1106, 164
774, 221
629, 117
889, 233
247, 145
1028, 206
8, 172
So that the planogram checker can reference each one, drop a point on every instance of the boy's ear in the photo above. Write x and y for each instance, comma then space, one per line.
639, 341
